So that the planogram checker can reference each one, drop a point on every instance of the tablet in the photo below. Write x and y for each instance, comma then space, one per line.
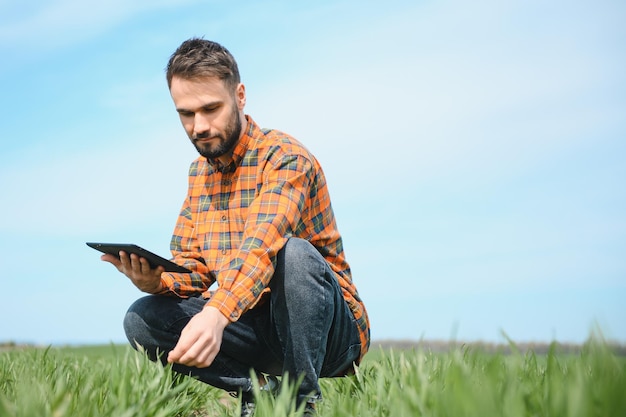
153, 259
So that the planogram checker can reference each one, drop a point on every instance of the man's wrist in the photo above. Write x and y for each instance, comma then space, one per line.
158, 289
221, 318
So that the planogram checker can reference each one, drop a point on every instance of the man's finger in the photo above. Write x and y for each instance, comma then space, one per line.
135, 263
145, 266
124, 261
114, 260
181, 348
198, 355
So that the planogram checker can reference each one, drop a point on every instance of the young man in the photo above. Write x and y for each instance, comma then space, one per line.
258, 222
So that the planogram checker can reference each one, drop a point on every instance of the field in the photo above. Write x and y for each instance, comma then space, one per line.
463, 381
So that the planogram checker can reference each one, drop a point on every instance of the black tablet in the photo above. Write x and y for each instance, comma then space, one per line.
153, 259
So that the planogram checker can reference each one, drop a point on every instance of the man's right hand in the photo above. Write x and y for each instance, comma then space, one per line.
138, 271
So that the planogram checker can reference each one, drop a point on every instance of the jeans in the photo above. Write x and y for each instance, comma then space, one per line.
304, 330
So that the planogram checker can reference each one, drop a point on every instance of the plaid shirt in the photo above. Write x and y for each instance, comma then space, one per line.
237, 217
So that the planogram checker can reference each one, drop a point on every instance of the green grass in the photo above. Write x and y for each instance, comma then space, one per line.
116, 381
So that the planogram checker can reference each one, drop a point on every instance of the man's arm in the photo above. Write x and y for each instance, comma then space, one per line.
272, 218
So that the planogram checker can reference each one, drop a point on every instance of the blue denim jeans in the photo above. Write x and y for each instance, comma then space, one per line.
305, 329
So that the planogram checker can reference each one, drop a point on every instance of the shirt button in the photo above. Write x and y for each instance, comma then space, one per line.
224, 217
224, 251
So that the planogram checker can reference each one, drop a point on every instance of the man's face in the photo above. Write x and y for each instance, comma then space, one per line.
210, 114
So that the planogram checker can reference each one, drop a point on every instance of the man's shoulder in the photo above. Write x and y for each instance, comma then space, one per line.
268, 136
274, 142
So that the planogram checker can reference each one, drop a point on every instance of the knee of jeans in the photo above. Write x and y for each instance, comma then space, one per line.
298, 251
134, 327
301, 264
146, 307
136, 320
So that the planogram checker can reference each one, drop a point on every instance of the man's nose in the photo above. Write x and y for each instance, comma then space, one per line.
201, 124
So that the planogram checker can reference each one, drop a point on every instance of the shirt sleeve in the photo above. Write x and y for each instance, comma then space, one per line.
272, 218
186, 251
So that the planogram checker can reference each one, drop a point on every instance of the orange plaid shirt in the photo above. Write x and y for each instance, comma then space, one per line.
237, 217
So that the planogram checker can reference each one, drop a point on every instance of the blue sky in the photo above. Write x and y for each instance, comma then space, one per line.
474, 151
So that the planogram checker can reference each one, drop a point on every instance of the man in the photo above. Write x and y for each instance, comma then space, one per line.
257, 221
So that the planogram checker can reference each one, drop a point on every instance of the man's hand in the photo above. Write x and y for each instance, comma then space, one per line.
200, 340
138, 271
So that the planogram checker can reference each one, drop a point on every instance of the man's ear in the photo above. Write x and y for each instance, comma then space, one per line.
240, 96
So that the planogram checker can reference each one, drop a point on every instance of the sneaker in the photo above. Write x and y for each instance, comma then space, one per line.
247, 408
270, 386
309, 410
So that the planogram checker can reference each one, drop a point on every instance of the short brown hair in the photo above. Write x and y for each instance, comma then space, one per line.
198, 57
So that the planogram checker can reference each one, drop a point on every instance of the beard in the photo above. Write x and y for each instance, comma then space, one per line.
227, 139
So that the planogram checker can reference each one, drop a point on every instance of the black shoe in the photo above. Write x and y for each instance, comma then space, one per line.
309, 410
247, 408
